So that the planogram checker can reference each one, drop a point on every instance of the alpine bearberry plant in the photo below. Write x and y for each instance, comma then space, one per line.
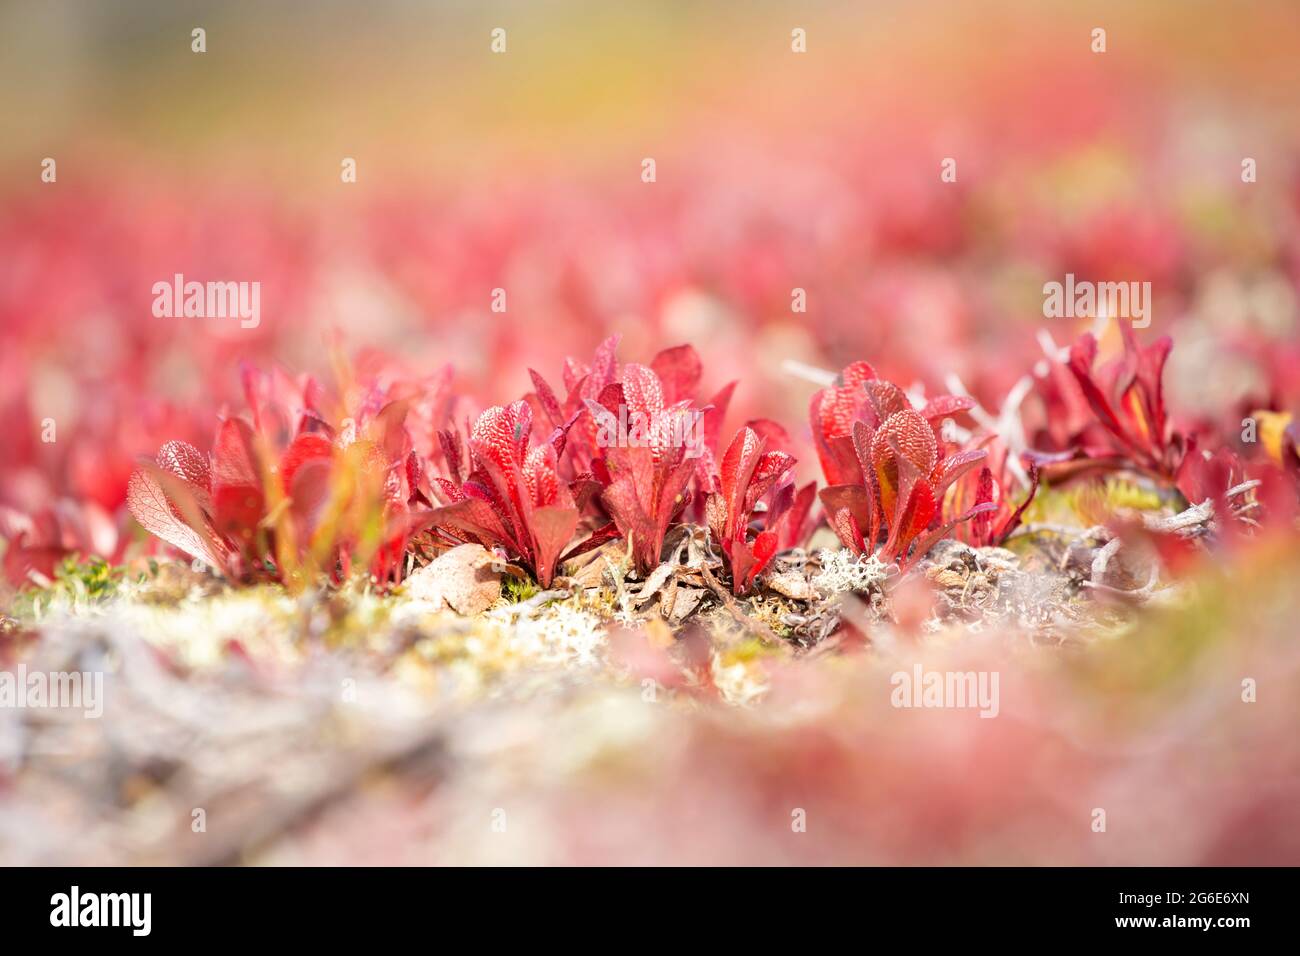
749, 474
648, 476
253, 509
887, 464
678, 371
306, 484
994, 483
1126, 395
513, 498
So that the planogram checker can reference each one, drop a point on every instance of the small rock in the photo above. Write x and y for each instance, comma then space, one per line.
463, 579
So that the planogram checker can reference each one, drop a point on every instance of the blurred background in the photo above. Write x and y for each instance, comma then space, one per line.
775, 171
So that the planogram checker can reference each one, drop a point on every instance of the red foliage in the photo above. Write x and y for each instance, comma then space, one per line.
37, 544
678, 370
887, 464
648, 474
259, 508
514, 498
748, 475
1127, 396
992, 485
311, 481
583, 383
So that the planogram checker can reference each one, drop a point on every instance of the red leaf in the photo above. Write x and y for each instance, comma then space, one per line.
1082, 355
849, 531
546, 398
795, 528
474, 517
953, 467
642, 391
765, 544
583, 489
447, 490
942, 406
451, 455
542, 479
673, 496
552, 530
984, 495
886, 399
832, 413
233, 458
679, 371
903, 435
775, 438
715, 517
149, 506
857, 375
309, 491
237, 509
185, 461
1013, 522
603, 366
304, 448
848, 500
608, 532
625, 507
414, 473
772, 467
920, 512
500, 435
388, 431
737, 468
906, 496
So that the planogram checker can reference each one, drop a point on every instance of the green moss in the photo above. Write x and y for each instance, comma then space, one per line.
746, 650
76, 582
515, 589
1092, 502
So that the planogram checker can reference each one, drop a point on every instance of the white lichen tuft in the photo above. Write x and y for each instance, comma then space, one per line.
199, 633
741, 682
556, 634
843, 570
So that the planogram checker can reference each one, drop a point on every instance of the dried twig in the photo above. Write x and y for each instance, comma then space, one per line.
732, 605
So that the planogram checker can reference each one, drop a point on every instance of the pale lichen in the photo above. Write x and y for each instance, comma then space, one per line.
555, 634
739, 673
843, 571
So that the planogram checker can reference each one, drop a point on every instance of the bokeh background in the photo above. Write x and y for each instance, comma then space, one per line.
775, 170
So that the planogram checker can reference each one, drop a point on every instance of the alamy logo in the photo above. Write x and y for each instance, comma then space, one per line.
674, 428
946, 689
77, 690
209, 300
103, 909
1092, 300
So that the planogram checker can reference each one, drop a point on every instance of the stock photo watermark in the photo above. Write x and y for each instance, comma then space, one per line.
64, 690
949, 690
1081, 299
75, 908
208, 300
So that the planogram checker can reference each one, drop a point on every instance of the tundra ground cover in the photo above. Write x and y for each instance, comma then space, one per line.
773, 510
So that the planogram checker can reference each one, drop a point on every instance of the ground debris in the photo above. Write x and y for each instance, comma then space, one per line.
984, 586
